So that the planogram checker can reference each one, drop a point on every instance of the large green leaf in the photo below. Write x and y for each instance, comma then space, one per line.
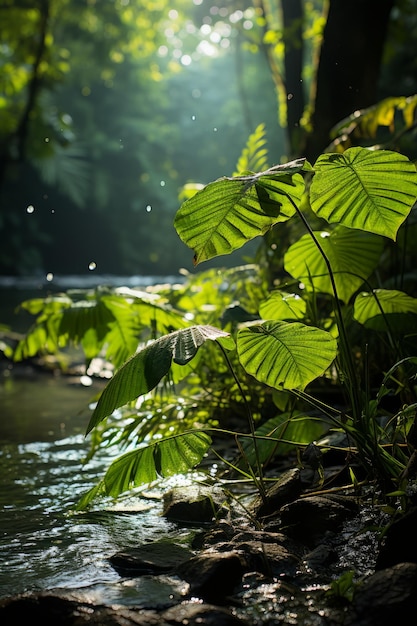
393, 113
285, 355
353, 255
164, 458
142, 372
228, 212
283, 306
373, 190
370, 310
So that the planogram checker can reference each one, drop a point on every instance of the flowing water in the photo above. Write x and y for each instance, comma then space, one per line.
43, 543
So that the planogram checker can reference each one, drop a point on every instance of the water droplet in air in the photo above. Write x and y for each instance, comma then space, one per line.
49, 277
193, 118
30, 209
162, 183
148, 208
92, 266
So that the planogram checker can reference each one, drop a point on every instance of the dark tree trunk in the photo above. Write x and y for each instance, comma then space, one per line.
292, 18
349, 66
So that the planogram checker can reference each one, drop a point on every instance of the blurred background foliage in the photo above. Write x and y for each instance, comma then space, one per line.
108, 108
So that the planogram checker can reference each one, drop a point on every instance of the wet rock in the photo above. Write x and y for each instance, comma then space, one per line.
194, 505
223, 531
60, 608
309, 519
55, 607
271, 559
271, 554
319, 559
286, 489
386, 597
194, 614
160, 557
267, 537
399, 544
213, 575
224, 534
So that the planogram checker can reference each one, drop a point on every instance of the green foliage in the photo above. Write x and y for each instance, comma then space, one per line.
100, 148
275, 348
144, 370
374, 190
277, 437
173, 455
352, 254
343, 588
383, 123
284, 355
254, 156
112, 322
226, 209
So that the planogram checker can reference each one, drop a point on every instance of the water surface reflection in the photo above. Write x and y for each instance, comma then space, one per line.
43, 419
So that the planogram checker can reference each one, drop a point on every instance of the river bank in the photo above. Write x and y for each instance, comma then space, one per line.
304, 557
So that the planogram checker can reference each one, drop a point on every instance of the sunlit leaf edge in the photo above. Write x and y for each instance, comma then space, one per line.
177, 454
144, 370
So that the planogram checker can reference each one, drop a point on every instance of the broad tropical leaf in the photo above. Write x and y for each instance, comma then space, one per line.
353, 255
394, 114
365, 123
370, 308
372, 190
228, 212
285, 355
164, 458
283, 306
189, 190
143, 371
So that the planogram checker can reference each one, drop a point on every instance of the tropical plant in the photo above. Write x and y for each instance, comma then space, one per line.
386, 123
225, 344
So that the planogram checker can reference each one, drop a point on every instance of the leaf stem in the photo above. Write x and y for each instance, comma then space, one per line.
257, 479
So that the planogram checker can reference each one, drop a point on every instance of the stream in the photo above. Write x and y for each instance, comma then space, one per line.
43, 543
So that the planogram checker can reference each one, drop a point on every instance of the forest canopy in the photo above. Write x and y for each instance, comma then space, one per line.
108, 109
